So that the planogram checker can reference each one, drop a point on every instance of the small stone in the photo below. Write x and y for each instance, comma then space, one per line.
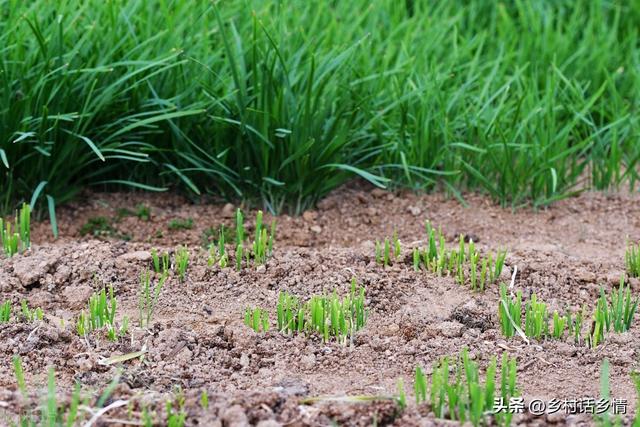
316, 229
261, 269
451, 329
268, 423
414, 210
77, 296
235, 417
244, 360
587, 277
136, 256
228, 211
378, 193
308, 361
310, 216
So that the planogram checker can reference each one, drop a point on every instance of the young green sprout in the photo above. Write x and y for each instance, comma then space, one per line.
536, 319
327, 316
420, 386
257, 319
559, 325
509, 311
160, 261
262, 246
632, 259
401, 398
182, 262
5, 311
149, 294
181, 224
458, 394
101, 313
30, 315
17, 238
388, 251
218, 253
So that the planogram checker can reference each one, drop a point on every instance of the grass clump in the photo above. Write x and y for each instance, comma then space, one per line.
457, 393
536, 321
100, 314
257, 319
30, 315
5, 311
464, 262
181, 224
616, 315
218, 253
327, 316
632, 259
149, 294
388, 251
182, 262
509, 311
16, 238
98, 226
262, 246
160, 262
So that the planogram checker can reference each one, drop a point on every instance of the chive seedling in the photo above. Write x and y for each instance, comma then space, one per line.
463, 397
181, 224
5, 312
16, 238
262, 246
622, 308
401, 398
257, 319
31, 315
149, 296
420, 386
160, 261
182, 262
509, 311
536, 319
101, 313
632, 259
559, 325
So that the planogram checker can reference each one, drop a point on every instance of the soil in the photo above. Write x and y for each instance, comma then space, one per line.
197, 340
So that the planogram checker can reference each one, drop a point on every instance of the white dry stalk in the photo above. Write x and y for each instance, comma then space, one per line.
101, 412
506, 309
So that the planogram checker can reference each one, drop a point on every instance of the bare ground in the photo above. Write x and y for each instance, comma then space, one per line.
198, 340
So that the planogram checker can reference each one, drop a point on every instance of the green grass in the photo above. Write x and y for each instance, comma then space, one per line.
278, 103
160, 261
5, 311
99, 226
325, 316
457, 393
615, 313
257, 319
30, 315
16, 237
632, 259
149, 294
100, 314
181, 224
465, 263
182, 262
256, 252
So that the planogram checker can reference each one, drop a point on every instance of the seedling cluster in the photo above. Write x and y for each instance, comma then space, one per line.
616, 314
30, 315
218, 253
465, 262
181, 224
327, 316
5, 312
257, 319
632, 259
149, 294
182, 262
262, 246
101, 313
458, 394
161, 262
16, 238
388, 251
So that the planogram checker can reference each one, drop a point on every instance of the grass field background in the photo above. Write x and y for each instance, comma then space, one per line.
279, 102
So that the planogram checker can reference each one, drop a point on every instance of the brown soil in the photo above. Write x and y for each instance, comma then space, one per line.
197, 340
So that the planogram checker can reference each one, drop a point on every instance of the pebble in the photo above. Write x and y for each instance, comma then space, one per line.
228, 211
